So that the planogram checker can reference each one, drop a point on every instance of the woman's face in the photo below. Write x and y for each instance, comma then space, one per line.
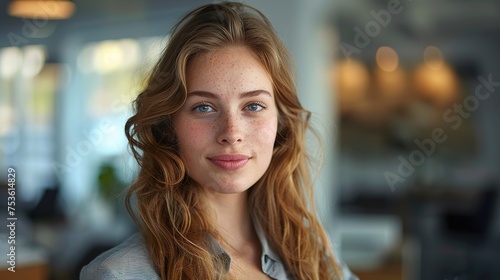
227, 127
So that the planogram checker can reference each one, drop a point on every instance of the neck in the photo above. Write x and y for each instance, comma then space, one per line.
232, 217
234, 224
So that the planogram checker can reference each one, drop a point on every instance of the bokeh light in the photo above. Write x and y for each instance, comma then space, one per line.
387, 59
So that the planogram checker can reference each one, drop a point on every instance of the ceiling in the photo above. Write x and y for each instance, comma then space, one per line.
419, 21
96, 12
424, 18
461, 28
419, 14
91, 10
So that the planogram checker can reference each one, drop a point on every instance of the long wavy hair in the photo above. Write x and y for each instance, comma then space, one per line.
168, 207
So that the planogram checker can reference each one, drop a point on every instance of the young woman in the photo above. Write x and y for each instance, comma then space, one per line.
219, 133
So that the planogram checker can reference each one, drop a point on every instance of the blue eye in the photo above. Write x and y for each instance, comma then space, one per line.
203, 108
254, 107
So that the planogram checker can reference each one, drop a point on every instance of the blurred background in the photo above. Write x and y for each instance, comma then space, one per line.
404, 93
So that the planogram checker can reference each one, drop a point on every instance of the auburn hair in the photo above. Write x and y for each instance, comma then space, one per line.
167, 206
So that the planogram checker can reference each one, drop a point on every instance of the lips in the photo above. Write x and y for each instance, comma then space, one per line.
230, 161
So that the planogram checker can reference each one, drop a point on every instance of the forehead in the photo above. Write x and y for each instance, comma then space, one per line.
227, 68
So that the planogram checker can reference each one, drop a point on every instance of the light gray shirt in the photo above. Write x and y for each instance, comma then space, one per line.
130, 260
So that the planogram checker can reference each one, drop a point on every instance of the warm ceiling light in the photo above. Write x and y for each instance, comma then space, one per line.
441, 85
352, 81
38, 9
387, 59
433, 58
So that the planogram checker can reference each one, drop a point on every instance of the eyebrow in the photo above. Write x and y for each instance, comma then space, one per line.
211, 95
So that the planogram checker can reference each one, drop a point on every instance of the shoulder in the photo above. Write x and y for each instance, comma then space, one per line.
129, 260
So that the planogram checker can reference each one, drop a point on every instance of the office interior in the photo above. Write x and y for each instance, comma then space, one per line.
404, 94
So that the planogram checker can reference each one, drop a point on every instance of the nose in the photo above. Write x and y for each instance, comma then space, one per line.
230, 128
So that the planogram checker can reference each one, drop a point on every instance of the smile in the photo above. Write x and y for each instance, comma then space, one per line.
230, 161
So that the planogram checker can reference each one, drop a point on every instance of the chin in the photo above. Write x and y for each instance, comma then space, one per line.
232, 188
234, 184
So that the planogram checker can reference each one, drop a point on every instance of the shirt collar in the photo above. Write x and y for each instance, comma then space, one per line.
271, 263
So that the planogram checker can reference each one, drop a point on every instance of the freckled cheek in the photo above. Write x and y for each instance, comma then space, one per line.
265, 134
194, 136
